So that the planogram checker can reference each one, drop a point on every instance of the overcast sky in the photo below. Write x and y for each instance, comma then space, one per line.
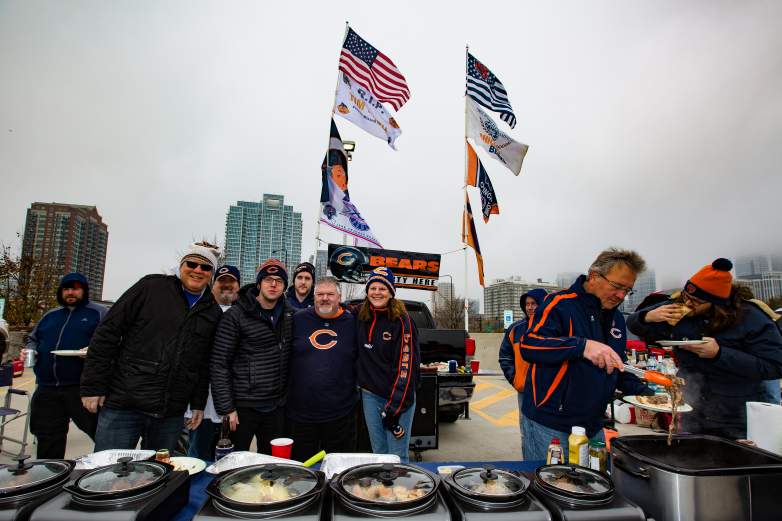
652, 125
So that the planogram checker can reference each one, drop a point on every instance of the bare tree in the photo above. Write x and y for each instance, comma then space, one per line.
449, 313
28, 284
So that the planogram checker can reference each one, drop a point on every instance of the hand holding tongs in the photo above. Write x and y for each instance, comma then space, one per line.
650, 376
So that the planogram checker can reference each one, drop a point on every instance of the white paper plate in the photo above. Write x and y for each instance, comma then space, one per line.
633, 400
671, 343
191, 465
70, 352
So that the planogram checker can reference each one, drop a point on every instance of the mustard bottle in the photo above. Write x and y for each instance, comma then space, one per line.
578, 447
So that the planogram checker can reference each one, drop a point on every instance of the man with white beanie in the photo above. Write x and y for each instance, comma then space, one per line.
149, 358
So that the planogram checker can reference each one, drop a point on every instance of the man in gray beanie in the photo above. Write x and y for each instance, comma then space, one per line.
149, 358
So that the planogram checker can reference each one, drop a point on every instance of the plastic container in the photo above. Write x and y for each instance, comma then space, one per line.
554, 454
578, 447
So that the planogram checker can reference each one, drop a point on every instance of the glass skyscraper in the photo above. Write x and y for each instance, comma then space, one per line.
255, 232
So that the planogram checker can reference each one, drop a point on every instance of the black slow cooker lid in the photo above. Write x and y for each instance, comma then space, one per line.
267, 484
574, 481
23, 476
488, 481
387, 483
124, 476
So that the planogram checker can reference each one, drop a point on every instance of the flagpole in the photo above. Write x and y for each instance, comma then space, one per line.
328, 147
464, 211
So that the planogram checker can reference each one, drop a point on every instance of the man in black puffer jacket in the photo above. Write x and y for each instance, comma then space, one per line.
249, 365
149, 358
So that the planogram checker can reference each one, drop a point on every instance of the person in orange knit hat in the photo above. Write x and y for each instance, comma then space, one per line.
736, 347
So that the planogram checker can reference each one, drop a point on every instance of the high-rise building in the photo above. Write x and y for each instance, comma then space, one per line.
321, 264
645, 284
566, 279
69, 237
255, 232
505, 293
764, 286
751, 265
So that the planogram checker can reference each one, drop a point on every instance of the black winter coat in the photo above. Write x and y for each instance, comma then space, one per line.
151, 352
719, 388
249, 364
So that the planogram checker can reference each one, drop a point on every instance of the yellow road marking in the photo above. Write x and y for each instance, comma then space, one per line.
491, 399
508, 420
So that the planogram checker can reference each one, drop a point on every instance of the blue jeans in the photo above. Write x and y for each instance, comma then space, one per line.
536, 438
771, 391
121, 429
203, 440
383, 442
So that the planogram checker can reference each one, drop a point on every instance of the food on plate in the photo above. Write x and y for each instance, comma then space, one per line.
657, 399
683, 311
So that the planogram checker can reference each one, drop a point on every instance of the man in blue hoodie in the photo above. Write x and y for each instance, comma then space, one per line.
513, 366
56, 401
575, 345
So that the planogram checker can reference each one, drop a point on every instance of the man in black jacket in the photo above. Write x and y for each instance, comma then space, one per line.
149, 358
249, 364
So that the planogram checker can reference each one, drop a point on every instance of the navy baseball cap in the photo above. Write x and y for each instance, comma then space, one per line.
228, 271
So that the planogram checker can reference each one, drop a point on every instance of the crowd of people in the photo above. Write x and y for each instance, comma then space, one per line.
186, 350
567, 358
279, 357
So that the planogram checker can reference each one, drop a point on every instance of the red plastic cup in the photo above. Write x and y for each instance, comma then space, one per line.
469, 345
474, 365
281, 447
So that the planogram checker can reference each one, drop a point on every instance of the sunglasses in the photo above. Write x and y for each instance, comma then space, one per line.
193, 265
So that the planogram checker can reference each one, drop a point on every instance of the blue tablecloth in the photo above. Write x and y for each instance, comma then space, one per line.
199, 482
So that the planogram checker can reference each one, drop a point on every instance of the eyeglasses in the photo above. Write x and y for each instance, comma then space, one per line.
273, 280
193, 265
618, 287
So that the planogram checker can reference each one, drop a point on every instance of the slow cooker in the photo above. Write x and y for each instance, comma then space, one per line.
265, 491
387, 490
26, 485
125, 491
571, 492
489, 494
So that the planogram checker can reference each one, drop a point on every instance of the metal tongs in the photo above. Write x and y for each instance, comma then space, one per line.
650, 376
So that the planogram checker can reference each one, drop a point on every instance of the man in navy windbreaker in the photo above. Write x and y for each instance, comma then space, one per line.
56, 401
575, 345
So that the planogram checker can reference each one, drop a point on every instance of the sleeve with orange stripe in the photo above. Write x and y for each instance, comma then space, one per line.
549, 338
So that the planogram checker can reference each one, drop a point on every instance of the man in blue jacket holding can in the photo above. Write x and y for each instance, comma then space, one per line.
56, 401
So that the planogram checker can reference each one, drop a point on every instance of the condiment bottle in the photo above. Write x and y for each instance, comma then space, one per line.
162, 456
597, 456
554, 453
578, 447
224, 445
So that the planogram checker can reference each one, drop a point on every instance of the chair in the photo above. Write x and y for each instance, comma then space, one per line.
9, 414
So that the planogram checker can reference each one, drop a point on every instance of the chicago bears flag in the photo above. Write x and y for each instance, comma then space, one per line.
477, 176
470, 237
485, 132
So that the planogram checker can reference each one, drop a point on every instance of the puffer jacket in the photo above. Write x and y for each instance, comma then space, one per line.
151, 352
719, 388
250, 358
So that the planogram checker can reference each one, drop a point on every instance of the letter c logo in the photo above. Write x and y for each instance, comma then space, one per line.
328, 345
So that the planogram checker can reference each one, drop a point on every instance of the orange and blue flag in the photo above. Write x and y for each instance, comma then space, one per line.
470, 237
477, 176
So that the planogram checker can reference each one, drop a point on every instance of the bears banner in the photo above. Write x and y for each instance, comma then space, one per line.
411, 269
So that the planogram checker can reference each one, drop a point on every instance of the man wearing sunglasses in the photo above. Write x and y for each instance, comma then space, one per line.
149, 358
249, 361
575, 344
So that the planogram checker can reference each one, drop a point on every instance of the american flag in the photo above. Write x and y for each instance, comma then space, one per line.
487, 89
373, 70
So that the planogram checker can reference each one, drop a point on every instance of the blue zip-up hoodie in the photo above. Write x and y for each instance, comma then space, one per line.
64, 328
507, 358
563, 388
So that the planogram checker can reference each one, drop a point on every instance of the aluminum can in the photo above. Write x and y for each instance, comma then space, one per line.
29, 358
452, 364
